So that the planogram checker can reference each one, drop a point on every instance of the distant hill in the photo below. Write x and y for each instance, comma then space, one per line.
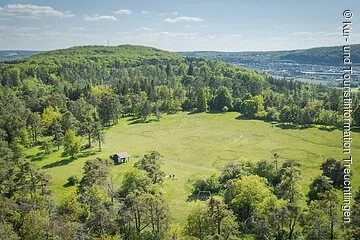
129, 54
8, 55
320, 56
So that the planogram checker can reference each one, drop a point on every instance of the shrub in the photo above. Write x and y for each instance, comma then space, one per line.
72, 181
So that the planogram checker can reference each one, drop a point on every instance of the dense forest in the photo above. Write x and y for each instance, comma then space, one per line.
322, 55
59, 98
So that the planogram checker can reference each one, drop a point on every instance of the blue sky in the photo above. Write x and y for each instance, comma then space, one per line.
228, 25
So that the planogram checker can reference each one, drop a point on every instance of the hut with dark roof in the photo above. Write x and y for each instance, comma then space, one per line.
121, 157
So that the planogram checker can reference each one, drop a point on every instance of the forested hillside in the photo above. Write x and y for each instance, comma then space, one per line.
59, 99
8, 55
320, 56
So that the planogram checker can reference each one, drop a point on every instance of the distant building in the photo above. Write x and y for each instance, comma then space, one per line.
121, 157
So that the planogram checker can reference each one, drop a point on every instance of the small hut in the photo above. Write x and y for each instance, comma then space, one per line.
121, 157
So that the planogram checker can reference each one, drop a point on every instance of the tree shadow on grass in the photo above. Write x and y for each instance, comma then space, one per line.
37, 157
139, 121
292, 126
86, 154
355, 129
59, 163
66, 161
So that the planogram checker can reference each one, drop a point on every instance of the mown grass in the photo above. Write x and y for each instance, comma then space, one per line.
200, 144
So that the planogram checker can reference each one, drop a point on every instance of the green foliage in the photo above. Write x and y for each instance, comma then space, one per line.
214, 219
321, 219
109, 109
151, 164
202, 100
318, 188
357, 115
7, 232
71, 143
234, 170
290, 177
222, 99
135, 180
333, 169
72, 181
207, 183
249, 197
249, 108
96, 172
266, 170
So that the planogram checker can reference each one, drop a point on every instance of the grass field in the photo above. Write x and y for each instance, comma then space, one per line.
199, 144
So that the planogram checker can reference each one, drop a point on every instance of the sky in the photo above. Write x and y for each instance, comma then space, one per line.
185, 25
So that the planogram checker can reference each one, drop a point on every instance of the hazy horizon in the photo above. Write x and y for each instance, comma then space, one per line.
231, 26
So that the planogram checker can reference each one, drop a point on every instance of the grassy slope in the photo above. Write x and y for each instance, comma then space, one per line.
199, 144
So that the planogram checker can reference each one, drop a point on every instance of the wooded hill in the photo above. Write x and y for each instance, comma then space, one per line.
8, 55
319, 55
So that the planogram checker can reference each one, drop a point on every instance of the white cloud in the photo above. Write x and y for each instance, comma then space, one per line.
146, 29
183, 19
145, 12
32, 11
100, 18
123, 12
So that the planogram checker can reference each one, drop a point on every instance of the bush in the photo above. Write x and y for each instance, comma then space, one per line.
72, 181
225, 109
206, 183
272, 114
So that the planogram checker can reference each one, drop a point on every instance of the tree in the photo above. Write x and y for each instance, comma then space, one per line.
356, 115
55, 129
68, 122
249, 198
143, 216
71, 143
35, 125
109, 108
35, 226
319, 221
96, 172
206, 183
355, 221
235, 170
289, 189
318, 187
151, 164
290, 177
98, 135
145, 110
201, 104
198, 222
222, 219
135, 181
156, 214
333, 169
7, 232
266, 170
85, 113
222, 98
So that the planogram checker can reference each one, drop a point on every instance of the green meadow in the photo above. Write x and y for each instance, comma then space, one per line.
194, 145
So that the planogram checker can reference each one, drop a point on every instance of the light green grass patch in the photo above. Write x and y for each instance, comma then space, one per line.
194, 145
